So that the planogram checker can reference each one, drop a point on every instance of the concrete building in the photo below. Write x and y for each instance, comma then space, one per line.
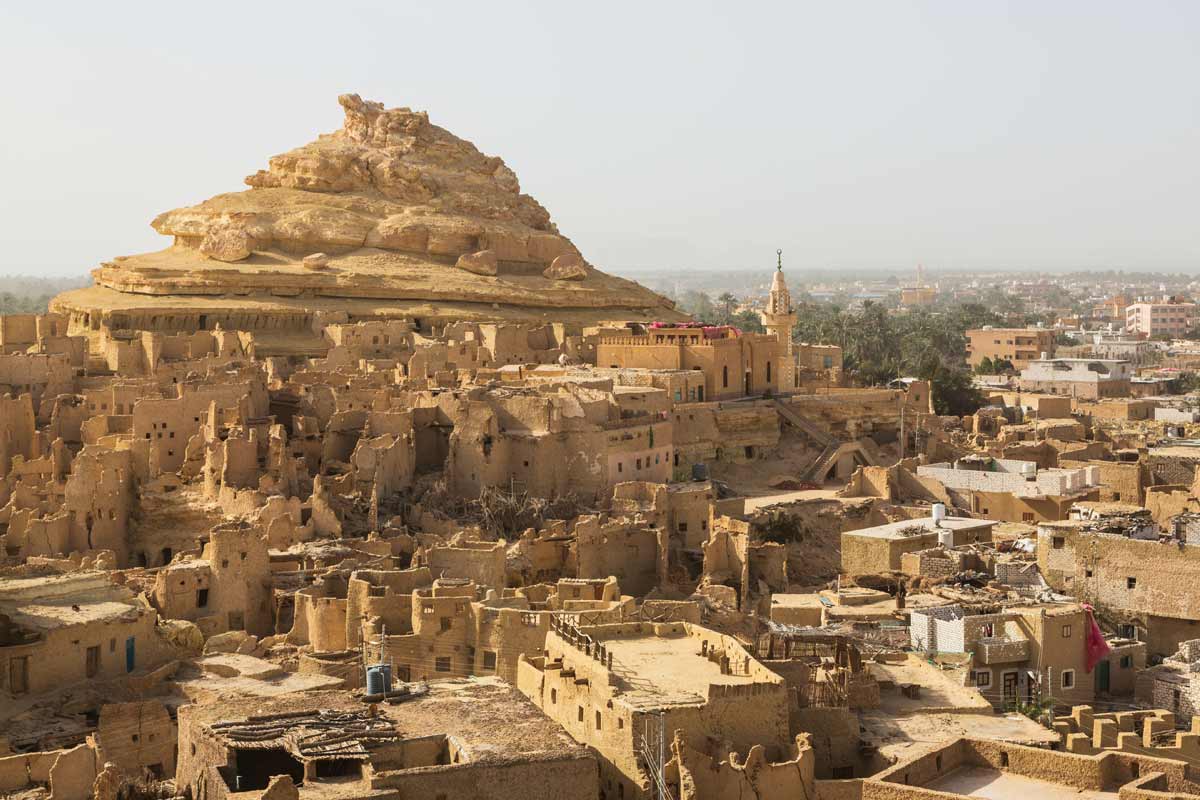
1011, 490
1089, 379
878, 549
1124, 566
1024, 652
1169, 317
1018, 345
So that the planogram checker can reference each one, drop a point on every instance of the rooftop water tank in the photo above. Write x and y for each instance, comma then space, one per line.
379, 679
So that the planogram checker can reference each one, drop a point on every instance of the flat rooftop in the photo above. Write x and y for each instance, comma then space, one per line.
44, 603
234, 674
916, 527
489, 719
492, 720
996, 785
667, 667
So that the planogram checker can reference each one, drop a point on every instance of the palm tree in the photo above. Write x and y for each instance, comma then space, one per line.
728, 303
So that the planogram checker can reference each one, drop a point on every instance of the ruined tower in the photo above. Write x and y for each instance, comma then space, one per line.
779, 318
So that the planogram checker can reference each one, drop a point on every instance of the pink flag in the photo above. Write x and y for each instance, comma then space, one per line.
1094, 644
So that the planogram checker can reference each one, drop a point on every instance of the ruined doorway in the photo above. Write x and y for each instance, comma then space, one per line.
339, 768
130, 654
253, 769
18, 675
92, 662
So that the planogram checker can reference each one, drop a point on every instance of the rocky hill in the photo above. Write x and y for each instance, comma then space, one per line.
389, 216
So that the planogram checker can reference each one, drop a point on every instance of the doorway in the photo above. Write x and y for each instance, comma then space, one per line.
18, 675
1009, 684
1102, 676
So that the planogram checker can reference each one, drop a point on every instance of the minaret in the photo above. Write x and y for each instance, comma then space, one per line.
779, 318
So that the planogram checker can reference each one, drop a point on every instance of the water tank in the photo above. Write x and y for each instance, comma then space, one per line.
379, 679
939, 514
699, 472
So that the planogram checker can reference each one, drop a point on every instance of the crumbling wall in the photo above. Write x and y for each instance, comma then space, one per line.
137, 736
702, 776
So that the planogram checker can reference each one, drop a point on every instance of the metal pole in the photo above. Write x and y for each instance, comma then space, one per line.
662, 735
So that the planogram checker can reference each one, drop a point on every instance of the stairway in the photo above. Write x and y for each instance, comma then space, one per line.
803, 425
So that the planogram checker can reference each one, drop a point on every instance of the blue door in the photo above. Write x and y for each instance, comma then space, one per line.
130, 654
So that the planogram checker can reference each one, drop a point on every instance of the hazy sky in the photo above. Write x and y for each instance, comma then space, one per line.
1042, 134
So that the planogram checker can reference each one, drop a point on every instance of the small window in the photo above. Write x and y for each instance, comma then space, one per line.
554, 696
442, 664
489, 659
201, 598
683, 527
1066, 631
1027, 516
445, 623
597, 720
1058, 542
1087, 573
983, 678
1068, 679
1126, 662
581, 714
1131, 583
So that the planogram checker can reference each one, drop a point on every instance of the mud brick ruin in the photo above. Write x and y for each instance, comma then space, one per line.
370, 485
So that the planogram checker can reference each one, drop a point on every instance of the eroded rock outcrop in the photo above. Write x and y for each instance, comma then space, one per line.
407, 212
